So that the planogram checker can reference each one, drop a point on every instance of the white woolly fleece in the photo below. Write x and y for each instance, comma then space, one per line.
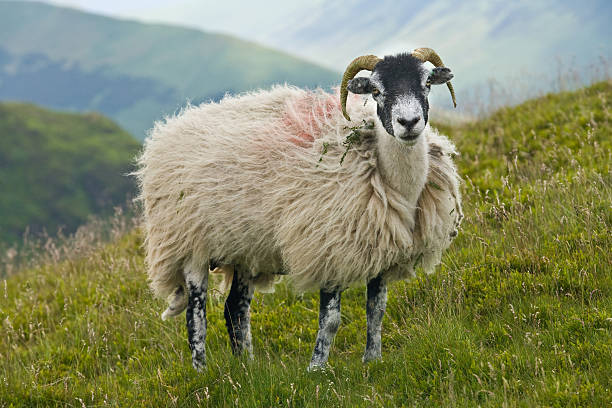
240, 182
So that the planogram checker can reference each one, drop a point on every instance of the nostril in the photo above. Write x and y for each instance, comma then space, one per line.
408, 123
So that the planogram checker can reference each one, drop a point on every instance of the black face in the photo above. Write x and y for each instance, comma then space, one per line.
400, 85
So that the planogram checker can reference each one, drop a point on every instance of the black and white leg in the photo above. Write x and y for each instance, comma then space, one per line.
237, 313
375, 310
329, 321
196, 280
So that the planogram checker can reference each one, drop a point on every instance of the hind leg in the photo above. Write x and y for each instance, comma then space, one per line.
237, 313
196, 280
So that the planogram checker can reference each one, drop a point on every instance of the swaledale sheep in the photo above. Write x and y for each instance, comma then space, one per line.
264, 184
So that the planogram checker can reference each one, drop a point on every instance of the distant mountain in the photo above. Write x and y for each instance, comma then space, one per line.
133, 72
56, 169
508, 35
524, 46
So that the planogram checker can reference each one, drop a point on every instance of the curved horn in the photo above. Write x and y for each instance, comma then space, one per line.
429, 55
360, 63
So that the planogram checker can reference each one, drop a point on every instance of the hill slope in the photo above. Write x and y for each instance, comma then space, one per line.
133, 72
56, 169
519, 313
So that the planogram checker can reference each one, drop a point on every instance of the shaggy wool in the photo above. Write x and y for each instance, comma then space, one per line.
256, 180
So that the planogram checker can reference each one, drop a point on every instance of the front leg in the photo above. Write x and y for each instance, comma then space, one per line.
329, 321
197, 285
375, 310
237, 313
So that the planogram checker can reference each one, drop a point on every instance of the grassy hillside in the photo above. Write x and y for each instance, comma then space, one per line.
131, 71
56, 169
519, 314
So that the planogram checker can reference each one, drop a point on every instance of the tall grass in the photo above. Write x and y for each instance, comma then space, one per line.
36, 250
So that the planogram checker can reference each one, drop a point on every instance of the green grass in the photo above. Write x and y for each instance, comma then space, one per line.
519, 314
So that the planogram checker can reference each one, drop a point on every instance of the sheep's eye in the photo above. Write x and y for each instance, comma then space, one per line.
375, 92
428, 83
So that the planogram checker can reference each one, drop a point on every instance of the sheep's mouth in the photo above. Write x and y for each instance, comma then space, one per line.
408, 137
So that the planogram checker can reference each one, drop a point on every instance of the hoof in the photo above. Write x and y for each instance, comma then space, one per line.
316, 367
245, 355
243, 350
368, 357
198, 362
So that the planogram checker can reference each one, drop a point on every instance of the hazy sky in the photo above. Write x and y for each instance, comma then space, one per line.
526, 40
237, 17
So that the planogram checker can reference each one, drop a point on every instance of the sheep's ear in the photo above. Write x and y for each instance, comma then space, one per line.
440, 75
360, 85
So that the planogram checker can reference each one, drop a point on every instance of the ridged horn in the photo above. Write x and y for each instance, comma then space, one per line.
429, 55
360, 63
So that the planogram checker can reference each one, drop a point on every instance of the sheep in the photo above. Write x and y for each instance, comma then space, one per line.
282, 182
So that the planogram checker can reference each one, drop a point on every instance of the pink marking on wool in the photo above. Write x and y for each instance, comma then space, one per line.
305, 117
